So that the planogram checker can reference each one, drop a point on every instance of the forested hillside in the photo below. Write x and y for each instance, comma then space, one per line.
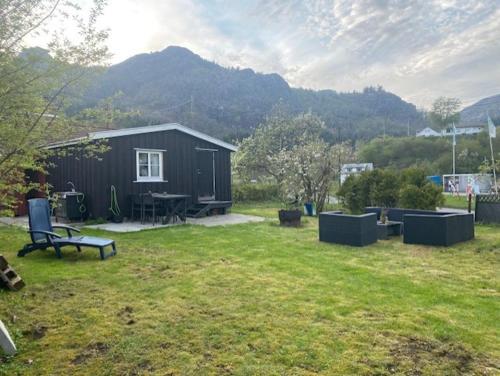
432, 153
175, 85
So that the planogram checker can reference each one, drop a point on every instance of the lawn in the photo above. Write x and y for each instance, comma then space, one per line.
254, 299
457, 202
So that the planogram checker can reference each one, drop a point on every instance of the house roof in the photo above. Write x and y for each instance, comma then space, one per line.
141, 130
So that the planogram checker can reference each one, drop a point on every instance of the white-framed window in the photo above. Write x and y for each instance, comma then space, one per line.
149, 165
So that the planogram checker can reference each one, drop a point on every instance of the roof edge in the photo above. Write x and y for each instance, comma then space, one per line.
146, 129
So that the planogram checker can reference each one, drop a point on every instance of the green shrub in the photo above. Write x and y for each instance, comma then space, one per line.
254, 192
371, 188
408, 189
426, 197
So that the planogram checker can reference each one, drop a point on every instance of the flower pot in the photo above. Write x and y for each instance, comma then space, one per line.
290, 218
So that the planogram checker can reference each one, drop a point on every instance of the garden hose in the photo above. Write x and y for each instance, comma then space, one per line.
114, 207
80, 199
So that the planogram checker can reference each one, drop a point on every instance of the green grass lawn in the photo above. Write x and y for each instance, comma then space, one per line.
457, 202
254, 299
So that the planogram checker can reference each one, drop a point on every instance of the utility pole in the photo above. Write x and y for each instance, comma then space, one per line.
408, 127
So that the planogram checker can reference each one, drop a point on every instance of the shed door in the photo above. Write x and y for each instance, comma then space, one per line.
205, 162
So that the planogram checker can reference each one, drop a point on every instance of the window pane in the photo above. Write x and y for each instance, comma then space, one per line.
155, 170
143, 158
143, 170
155, 158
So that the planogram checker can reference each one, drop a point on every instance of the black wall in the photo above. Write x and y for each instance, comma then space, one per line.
118, 167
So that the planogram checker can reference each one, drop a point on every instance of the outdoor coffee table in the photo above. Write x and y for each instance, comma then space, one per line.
389, 228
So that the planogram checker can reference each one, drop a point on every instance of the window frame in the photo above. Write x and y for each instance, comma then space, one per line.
149, 178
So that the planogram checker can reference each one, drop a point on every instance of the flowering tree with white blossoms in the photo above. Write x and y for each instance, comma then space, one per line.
312, 168
290, 151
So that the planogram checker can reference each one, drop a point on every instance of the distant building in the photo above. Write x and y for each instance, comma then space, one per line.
469, 130
464, 131
428, 132
353, 169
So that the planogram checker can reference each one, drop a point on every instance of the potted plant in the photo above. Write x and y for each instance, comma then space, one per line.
291, 215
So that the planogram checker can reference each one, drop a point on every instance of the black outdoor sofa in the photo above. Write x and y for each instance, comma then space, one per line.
355, 230
429, 227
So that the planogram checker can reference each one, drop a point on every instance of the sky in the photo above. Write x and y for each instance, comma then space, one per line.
417, 49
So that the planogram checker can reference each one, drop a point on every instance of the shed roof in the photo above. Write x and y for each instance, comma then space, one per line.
147, 129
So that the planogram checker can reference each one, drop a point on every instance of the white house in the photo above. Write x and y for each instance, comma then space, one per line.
428, 132
353, 168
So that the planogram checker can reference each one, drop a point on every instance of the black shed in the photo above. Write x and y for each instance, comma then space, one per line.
159, 158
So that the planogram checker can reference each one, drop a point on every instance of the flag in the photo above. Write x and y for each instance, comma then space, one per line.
491, 128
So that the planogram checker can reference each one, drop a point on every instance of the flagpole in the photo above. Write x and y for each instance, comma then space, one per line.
454, 146
493, 134
493, 165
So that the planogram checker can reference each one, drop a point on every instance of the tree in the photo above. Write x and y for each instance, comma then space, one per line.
35, 85
445, 111
290, 151
262, 154
311, 169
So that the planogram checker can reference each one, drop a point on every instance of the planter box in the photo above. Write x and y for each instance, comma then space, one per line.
441, 230
355, 230
290, 218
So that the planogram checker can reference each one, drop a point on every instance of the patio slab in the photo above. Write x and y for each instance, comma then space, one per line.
211, 221
215, 220
223, 220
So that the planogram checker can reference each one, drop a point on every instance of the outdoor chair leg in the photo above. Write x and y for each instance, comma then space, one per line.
78, 248
104, 255
27, 249
58, 251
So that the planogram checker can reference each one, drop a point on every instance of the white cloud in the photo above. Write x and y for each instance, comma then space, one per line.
420, 49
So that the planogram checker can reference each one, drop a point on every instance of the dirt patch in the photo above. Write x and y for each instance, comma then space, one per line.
224, 369
36, 332
91, 351
411, 355
126, 315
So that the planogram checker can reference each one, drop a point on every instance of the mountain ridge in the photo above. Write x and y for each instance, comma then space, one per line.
477, 113
231, 102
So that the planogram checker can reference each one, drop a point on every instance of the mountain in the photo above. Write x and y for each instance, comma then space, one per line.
477, 114
176, 85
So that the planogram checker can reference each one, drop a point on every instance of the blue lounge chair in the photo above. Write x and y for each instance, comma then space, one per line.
43, 235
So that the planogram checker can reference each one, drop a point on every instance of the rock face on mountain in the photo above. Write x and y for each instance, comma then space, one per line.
176, 85
477, 114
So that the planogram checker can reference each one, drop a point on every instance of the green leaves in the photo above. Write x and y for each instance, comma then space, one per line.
385, 188
445, 111
290, 150
36, 86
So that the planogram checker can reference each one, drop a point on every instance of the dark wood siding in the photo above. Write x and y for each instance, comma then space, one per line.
117, 167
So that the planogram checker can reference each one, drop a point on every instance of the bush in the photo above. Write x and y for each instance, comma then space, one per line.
409, 189
427, 197
253, 192
372, 188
